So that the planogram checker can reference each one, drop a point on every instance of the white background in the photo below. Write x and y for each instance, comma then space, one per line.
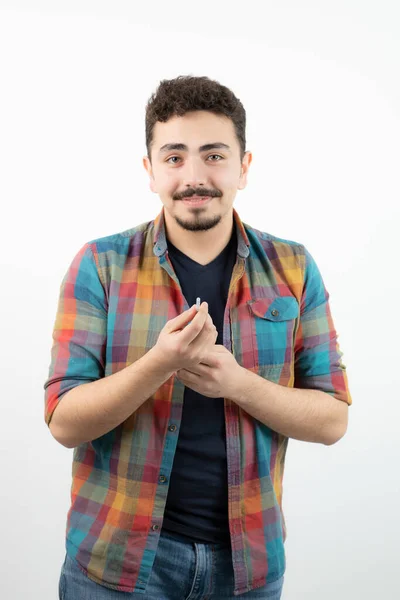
321, 87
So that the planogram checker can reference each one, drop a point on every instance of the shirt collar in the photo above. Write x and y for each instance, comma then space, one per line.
160, 239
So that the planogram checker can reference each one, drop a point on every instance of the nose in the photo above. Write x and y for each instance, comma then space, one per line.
193, 173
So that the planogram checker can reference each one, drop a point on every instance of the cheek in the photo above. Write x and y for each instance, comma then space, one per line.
226, 181
167, 185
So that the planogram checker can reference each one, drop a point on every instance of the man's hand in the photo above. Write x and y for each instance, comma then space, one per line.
186, 339
216, 376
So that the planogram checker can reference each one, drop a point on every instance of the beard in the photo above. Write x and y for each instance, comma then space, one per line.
199, 223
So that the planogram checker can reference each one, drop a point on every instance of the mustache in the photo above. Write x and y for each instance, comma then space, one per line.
200, 192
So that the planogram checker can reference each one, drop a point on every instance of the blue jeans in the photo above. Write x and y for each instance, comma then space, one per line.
182, 570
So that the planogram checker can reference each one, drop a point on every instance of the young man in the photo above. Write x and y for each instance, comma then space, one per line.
180, 418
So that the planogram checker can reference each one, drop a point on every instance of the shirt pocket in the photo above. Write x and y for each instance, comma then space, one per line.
274, 321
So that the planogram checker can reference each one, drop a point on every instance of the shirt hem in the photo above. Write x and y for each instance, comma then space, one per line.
110, 586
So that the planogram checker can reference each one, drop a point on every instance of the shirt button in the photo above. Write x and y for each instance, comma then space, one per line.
172, 428
274, 312
155, 527
162, 479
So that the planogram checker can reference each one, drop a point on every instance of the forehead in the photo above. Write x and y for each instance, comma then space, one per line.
194, 129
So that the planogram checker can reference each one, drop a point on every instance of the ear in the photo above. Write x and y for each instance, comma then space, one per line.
246, 162
149, 169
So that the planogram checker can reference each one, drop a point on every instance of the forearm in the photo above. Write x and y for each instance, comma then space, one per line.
302, 414
90, 410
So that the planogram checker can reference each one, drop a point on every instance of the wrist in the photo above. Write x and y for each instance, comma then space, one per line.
242, 384
160, 363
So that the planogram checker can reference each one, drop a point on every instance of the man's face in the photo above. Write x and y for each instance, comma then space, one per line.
196, 168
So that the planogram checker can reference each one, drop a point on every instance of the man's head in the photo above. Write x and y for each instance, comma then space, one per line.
195, 138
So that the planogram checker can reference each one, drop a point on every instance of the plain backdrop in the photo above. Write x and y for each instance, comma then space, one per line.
320, 84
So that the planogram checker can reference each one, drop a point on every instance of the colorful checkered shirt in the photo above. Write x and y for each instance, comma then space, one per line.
116, 296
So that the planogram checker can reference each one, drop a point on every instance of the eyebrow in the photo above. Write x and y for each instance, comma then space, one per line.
205, 148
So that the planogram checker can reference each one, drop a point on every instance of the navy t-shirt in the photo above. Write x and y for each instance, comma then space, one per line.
197, 502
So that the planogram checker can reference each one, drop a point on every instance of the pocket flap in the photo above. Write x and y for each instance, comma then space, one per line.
278, 308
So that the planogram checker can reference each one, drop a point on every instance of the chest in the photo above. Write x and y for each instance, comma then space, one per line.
257, 323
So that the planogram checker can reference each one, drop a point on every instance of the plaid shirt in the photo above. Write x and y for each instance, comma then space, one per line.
115, 298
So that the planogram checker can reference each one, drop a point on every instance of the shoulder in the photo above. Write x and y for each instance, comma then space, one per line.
108, 254
274, 246
122, 238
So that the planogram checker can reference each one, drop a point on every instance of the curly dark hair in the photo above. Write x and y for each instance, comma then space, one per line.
176, 97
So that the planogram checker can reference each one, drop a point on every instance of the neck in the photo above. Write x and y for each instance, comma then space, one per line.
200, 246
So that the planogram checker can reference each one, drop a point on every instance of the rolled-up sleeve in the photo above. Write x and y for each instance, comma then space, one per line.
80, 330
318, 358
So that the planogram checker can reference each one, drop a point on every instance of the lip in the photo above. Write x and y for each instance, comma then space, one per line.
196, 200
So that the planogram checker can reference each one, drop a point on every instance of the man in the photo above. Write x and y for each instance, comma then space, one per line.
180, 418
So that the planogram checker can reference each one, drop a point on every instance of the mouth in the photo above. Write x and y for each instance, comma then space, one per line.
196, 200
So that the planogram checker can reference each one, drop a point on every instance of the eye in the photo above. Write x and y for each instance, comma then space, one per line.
170, 159
219, 157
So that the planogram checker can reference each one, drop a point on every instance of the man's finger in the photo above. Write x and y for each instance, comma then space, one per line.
189, 333
202, 369
181, 320
209, 361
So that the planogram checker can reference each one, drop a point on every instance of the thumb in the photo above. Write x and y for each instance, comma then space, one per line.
181, 320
